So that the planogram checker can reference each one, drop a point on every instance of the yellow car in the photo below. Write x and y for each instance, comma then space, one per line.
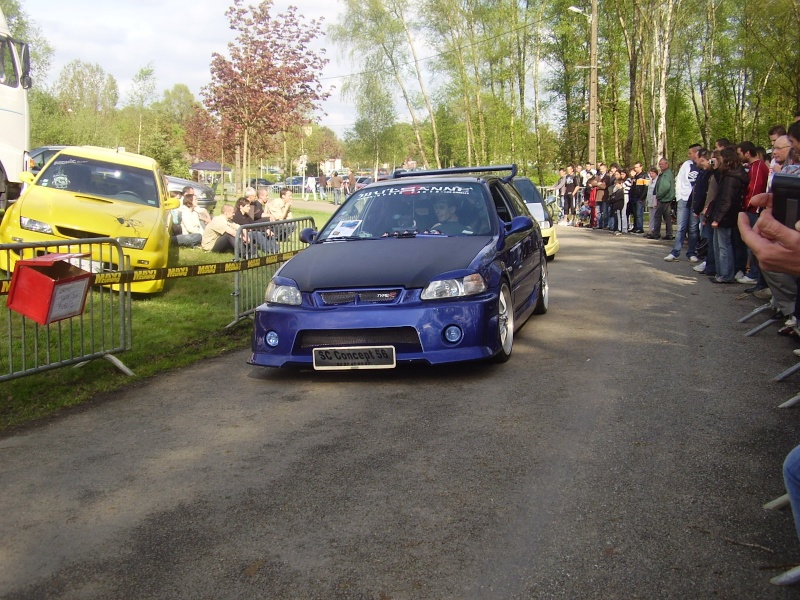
539, 209
88, 192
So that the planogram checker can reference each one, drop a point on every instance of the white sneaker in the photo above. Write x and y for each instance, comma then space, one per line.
746, 279
670, 257
693, 259
796, 351
701, 267
738, 275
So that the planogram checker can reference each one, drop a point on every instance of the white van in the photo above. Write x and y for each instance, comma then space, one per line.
15, 79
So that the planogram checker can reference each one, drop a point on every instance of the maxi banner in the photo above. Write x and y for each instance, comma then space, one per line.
117, 277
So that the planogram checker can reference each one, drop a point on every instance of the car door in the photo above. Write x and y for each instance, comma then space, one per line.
520, 250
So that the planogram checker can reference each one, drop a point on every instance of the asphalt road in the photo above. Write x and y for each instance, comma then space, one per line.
624, 452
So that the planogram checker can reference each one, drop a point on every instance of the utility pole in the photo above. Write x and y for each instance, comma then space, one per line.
593, 86
592, 79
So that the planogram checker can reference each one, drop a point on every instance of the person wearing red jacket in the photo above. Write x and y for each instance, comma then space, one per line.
758, 172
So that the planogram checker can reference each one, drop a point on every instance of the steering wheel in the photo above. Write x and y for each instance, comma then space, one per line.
129, 193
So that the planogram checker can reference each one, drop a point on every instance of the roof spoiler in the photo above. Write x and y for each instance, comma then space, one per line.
459, 171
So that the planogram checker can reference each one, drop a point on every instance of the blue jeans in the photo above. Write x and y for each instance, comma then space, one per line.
687, 223
791, 478
754, 271
638, 215
708, 234
723, 251
602, 212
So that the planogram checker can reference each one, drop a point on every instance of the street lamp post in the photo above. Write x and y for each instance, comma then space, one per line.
592, 79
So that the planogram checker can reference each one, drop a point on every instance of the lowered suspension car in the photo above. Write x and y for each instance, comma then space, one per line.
431, 267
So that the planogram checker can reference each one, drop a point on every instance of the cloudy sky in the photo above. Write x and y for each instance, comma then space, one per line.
176, 36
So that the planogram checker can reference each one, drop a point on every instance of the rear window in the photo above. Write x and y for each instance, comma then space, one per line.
453, 209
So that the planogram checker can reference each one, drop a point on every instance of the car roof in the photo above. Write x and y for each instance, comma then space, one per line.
111, 155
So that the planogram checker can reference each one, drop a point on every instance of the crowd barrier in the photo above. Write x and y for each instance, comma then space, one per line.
279, 239
104, 327
101, 330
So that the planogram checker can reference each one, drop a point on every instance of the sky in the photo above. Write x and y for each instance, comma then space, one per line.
176, 36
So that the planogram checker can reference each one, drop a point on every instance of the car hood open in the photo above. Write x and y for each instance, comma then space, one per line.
381, 262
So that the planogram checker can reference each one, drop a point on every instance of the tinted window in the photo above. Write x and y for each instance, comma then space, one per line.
91, 177
456, 209
528, 191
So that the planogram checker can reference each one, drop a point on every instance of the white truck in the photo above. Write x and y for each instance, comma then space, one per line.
15, 80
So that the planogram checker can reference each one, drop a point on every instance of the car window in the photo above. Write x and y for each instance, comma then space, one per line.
517, 203
502, 206
102, 179
454, 209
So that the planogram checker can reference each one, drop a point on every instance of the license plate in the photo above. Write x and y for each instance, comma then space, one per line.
354, 357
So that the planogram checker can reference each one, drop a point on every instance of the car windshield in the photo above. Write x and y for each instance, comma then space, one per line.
537, 210
101, 179
528, 191
403, 209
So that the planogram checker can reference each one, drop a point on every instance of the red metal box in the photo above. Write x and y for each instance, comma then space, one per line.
48, 288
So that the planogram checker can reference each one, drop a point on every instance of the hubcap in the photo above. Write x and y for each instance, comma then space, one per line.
505, 321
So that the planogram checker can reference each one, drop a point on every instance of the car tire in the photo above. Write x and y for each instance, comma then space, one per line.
505, 324
543, 301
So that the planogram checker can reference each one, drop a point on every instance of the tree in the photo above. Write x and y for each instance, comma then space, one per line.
271, 80
142, 94
88, 97
25, 29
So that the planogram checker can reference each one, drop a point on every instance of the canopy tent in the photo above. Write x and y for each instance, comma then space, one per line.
209, 166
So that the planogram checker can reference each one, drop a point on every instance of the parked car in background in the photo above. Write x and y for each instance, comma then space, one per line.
473, 270
538, 208
362, 181
206, 197
40, 156
88, 192
260, 183
294, 183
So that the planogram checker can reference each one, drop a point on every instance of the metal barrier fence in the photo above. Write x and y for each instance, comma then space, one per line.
280, 239
102, 330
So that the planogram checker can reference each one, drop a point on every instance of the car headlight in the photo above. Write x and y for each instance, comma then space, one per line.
278, 293
454, 288
131, 242
34, 225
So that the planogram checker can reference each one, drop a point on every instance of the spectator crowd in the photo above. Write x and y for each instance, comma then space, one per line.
721, 204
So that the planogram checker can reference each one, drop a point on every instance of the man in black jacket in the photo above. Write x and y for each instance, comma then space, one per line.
638, 195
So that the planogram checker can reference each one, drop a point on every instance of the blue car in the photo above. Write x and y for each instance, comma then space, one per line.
430, 267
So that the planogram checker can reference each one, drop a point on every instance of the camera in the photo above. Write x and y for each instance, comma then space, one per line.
786, 198
713, 161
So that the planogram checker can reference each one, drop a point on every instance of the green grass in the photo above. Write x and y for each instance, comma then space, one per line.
177, 328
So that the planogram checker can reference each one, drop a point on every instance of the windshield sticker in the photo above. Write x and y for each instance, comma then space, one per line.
416, 190
60, 181
345, 228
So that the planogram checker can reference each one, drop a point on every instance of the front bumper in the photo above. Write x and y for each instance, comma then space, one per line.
414, 327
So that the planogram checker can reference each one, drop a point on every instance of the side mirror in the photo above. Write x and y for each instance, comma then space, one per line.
172, 204
518, 224
27, 177
308, 235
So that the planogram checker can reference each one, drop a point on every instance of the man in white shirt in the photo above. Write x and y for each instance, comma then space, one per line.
687, 220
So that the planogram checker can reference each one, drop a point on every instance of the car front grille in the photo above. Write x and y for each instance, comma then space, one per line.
79, 234
403, 338
360, 297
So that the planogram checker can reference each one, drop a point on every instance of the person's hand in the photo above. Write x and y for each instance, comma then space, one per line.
776, 246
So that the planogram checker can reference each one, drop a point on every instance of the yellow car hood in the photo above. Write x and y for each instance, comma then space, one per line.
99, 217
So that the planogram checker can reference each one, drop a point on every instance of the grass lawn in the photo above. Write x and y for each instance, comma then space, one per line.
177, 328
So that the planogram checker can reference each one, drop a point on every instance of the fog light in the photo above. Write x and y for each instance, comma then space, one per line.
271, 339
453, 334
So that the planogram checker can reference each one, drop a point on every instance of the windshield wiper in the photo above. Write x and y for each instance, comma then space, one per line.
344, 238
